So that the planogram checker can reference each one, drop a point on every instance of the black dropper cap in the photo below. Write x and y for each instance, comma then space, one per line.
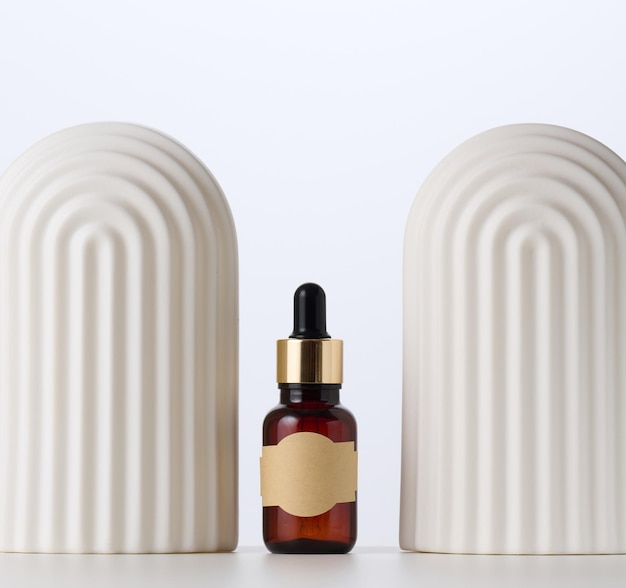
309, 356
309, 313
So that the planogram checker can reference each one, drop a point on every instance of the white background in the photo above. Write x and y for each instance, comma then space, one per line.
320, 120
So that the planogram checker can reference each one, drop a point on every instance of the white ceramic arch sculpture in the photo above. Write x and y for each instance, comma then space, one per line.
118, 348
514, 430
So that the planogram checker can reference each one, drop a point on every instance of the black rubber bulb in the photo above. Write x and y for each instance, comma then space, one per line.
309, 313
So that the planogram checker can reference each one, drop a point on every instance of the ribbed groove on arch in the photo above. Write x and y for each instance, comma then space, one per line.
124, 259
515, 268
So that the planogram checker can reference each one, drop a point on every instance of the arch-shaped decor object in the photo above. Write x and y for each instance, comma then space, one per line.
514, 414
118, 347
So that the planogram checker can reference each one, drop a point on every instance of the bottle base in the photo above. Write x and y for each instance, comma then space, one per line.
304, 546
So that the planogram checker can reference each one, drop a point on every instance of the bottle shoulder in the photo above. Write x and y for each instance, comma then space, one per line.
332, 421
308, 409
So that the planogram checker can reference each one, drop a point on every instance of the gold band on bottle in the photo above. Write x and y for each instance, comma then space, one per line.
309, 361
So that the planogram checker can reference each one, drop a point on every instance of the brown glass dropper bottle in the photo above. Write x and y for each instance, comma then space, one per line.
309, 463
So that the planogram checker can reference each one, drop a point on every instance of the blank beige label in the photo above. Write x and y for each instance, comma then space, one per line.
306, 474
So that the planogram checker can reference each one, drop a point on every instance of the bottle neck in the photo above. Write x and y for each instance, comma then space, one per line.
303, 393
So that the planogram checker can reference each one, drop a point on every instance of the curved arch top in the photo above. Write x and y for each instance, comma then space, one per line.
118, 347
514, 384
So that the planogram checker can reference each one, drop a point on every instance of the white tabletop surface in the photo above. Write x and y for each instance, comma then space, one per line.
385, 567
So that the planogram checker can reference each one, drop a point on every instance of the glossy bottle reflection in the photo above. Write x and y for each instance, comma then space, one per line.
312, 408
